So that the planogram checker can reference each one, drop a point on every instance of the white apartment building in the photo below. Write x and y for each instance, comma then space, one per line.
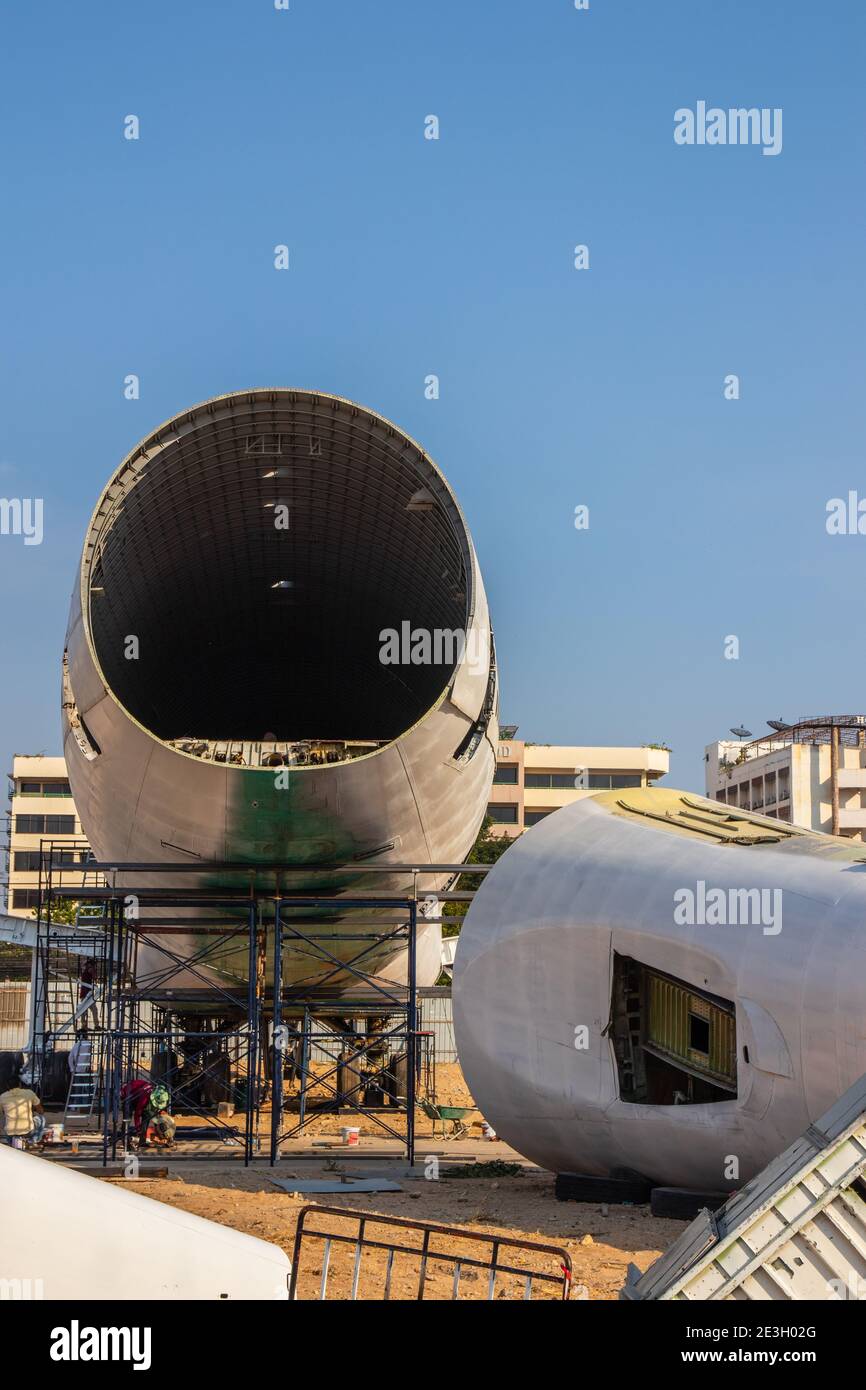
812, 773
40, 809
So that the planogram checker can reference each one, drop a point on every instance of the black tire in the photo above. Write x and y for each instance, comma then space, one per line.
577, 1187
681, 1204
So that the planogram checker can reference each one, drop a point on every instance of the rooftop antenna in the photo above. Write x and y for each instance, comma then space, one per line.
779, 725
742, 733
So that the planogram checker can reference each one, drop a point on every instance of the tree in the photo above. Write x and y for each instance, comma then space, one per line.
488, 849
63, 912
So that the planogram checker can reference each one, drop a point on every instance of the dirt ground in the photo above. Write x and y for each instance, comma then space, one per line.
601, 1240
504, 1196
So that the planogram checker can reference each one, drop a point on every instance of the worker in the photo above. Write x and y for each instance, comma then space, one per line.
136, 1094
22, 1117
158, 1122
86, 990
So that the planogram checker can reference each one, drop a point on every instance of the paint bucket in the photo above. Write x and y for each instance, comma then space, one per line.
351, 1135
54, 1134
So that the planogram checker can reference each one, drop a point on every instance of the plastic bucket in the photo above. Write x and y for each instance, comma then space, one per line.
351, 1135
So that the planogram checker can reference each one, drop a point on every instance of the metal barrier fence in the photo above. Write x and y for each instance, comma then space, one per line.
441, 1260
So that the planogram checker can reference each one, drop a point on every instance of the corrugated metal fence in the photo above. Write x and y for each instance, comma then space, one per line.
438, 1017
15, 1010
14, 1014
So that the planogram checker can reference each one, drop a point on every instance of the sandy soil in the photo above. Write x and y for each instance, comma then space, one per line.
600, 1240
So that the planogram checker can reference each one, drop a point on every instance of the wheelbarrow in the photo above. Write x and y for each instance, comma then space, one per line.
447, 1114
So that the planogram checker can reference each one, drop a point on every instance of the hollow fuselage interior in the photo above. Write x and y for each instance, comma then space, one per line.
256, 557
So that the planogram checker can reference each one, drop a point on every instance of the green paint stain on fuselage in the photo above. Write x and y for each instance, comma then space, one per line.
282, 816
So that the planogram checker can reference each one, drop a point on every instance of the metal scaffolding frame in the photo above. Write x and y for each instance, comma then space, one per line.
236, 1016
143, 1017
374, 998
57, 1012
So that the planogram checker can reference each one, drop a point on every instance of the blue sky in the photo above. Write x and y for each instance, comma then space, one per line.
408, 257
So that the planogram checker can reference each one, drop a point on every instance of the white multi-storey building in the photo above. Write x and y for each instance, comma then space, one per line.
40, 809
812, 773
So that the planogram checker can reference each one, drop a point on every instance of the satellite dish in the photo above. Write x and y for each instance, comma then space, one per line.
779, 725
742, 733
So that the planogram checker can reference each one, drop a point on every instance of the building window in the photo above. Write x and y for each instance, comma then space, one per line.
26, 861
560, 781
533, 817
25, 897
59, 825
604, 781
51, 788
502, 815
506, 775
44, 825
575, 781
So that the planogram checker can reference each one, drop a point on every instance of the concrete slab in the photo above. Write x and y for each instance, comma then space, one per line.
321, 1186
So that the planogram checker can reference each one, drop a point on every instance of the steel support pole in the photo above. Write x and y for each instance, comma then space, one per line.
412, 1029
252, 1034
305, 1063
278, 1041
109, 1010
